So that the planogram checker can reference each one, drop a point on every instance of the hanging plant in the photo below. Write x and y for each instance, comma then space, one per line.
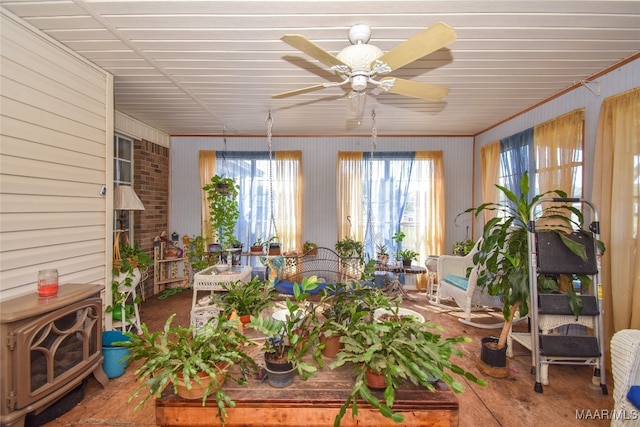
222, 195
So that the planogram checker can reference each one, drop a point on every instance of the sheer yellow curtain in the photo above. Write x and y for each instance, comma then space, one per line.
349, 180
287, 188
490, 174
207, 167
429, 172
615, 194
558, 145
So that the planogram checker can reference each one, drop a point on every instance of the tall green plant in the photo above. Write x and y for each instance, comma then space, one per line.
222, 195
503, 255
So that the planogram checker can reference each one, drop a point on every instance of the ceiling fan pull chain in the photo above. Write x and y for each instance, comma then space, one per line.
374, 143
272, 221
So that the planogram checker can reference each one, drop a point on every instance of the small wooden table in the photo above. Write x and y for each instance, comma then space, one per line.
395, 285
310, 403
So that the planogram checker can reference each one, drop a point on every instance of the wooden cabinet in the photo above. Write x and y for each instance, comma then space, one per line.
170, 270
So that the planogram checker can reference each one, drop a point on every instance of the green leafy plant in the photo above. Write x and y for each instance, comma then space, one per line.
398, 237
129, 259
408, 254
222, 195
248, 298
503, 258
342, 307
403, 350
178, 352
463, 247
308, 246
197, 254
290, 339
382, 249
350, 248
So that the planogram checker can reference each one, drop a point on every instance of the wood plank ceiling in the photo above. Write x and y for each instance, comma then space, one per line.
210, 67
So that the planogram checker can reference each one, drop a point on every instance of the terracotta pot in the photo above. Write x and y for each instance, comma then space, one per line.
256, 249
274, 249
332, 345
197, 391
375, 380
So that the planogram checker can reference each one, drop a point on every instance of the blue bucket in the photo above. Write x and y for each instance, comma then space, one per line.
112, 365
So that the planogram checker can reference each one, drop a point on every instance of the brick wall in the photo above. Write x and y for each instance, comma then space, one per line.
151, 184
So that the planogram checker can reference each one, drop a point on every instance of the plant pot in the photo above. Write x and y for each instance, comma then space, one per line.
197, 391
223, 189
332, 345
275, 364
113, 365
280, 379
245, 319
215, 248
492, 361
236, 255
375, 380
121, 279
256, 250
406, 262
116, 313
274, 249
383, 259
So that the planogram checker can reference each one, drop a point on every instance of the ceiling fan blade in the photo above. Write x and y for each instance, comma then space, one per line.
298, 91
310, 48
417, 89
429, 40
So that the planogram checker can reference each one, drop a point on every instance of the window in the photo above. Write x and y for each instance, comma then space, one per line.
123, 174
392, 192
260, 215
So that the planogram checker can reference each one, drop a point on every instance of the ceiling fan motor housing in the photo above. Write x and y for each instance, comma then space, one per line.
359, 56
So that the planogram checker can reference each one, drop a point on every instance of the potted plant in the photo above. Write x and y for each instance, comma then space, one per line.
310, 248
274, 247
382, 253
394, 351
246, 299
463, 247
398, 237
289, 334
223, 208
407, 256
197, 253
502, 261
257, 247
341, 307
128, 264
200, 361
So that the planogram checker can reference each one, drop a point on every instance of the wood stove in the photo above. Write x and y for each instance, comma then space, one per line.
49, 346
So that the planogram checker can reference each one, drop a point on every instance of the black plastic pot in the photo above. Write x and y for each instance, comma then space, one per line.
491, 356
277, 366
280, 379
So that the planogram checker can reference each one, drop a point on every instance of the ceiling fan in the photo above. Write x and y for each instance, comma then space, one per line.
361, 64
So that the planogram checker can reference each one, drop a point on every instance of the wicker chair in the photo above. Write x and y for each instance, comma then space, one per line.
453, 284
625, 363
